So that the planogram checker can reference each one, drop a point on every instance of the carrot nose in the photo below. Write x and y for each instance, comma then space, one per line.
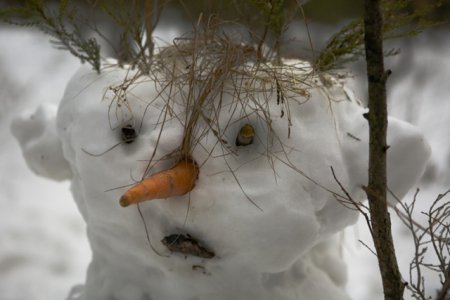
176, 181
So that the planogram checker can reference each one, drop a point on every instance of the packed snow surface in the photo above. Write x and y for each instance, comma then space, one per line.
268, 211
43, 245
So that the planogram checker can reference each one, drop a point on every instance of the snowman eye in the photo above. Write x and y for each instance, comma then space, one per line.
128, 134
245, 135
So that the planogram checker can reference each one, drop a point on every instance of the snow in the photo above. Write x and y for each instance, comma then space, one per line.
36, 134
286, 251
268, 217
43, 245
417, 94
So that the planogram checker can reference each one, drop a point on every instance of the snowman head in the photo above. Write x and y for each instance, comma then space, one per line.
263, 138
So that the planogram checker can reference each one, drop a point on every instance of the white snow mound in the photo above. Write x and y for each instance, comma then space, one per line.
41, 147
266, 210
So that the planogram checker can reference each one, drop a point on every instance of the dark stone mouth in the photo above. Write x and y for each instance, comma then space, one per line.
186, 244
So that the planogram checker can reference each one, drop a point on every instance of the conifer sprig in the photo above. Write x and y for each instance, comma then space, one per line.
61, 24
348, 43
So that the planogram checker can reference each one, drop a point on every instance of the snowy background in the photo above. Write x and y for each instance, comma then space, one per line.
43, 248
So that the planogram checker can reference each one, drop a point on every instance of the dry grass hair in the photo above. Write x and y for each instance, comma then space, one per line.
198, 71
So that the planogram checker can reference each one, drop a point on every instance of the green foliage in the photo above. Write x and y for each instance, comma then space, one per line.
128, 16
344, 46
62, 24
135, 19
348, 43
65, 25
272, 11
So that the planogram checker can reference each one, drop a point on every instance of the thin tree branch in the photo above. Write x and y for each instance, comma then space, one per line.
376, 190
445, 287
149, 21
358, 206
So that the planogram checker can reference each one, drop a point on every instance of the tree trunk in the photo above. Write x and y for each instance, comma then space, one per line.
393, 286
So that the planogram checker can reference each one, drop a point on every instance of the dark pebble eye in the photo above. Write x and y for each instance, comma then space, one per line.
245, 136
128, 134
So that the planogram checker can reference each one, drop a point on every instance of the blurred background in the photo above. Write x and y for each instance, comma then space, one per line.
43, 246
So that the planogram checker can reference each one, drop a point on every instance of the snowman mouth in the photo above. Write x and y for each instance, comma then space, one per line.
187, 245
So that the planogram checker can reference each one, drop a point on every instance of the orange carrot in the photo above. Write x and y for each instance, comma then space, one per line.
176, 181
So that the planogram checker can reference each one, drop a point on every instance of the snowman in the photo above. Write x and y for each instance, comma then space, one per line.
213, 175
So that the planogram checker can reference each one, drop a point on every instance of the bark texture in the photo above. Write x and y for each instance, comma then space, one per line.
376, 190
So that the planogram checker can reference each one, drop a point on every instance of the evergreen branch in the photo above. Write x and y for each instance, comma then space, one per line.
34, 13
348, 43
344, 46
272, 12
135, 48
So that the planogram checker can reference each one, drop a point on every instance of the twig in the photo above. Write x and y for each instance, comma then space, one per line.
149, 12
353, 202
311, 45
405, 217
446, 286
368, 248
393, 285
